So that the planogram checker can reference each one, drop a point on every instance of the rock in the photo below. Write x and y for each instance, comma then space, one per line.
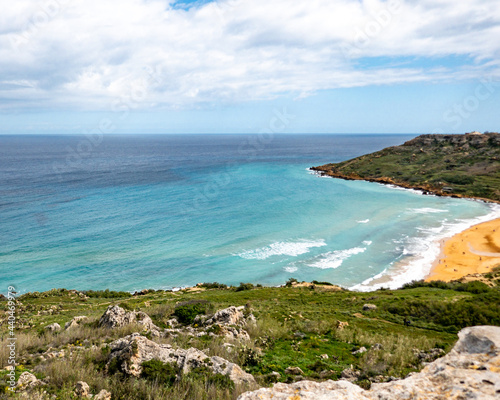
82, 389
116, 316
307, 390
377, 346
361, 350
428, 356
75, 322
324, 356
300, 335
103, 395
369, 307
27, 381
131, 351
273, 377
469, 371
350, 374
341, 325
55, 327
228, 316
294, 371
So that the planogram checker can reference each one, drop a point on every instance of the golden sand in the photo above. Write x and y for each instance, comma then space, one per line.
473, 251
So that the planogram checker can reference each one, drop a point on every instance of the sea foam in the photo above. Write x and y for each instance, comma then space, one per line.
292, 249
334, 259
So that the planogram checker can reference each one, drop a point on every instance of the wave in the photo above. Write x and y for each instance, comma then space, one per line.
334, 259
364, 221
426, 210
292, 249
419, 253
367, 242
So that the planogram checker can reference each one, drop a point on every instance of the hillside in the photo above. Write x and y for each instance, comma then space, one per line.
216, 342
447, 165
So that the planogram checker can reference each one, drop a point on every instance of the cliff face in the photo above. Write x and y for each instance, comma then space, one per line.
470, 371
447, 165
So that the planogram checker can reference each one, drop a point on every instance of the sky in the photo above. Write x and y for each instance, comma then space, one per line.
249, 66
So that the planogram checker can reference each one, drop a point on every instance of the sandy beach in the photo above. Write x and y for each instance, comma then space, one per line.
475, 250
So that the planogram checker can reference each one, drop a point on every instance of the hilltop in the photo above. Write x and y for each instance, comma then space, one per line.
446, 165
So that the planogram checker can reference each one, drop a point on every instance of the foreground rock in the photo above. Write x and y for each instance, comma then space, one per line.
131, 351
470, 371
116, 316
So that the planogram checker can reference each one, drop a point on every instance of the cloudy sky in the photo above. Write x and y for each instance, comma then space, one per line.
340, 66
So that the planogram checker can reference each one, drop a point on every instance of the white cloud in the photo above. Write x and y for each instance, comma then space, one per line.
97, 54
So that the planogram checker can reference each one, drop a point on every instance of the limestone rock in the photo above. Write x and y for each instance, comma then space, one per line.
294, 371
361, 350
307, 390
75, 322
228, 316
27, 381
103, 395
369, 307
116, 316
82, 389
470, 371
131, 351
55, 327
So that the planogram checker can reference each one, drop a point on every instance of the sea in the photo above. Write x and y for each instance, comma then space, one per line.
132, 212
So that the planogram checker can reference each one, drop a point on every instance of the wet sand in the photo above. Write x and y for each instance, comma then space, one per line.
475, 250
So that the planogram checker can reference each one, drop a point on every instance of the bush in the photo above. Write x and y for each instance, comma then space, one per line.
214, 285
244, 286
155, 370
187, 312
290, 282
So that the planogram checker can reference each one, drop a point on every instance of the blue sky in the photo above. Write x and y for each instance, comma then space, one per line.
232, 66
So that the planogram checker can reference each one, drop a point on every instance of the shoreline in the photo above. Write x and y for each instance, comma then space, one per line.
426, 190
476, 250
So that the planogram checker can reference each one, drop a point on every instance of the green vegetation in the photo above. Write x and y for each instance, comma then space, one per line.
311, 327
187, 312
456, 165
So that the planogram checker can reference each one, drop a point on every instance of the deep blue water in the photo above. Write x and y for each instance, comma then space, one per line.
161, 211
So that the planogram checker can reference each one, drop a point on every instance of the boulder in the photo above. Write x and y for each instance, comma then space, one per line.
82, 390
55, 327
103, 395
27, 381
75, 322
361, 350
294, 371
369, 307
469, 371
116, 316
131, 351
228, 316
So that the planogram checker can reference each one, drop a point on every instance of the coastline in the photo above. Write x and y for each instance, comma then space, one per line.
475, 250
425, 189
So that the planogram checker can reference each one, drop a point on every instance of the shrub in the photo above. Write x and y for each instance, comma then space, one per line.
244, 286
213, 285
187, 312
155, 370
290, 282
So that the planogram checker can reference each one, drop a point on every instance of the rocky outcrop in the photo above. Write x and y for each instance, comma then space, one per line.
131, 351
82, 390
470, 371
27, 381
55, 327
116, 316
75, 322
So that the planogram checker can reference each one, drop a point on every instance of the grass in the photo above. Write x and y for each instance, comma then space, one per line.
295, 326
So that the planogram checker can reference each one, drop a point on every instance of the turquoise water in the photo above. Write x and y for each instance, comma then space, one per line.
166, 212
